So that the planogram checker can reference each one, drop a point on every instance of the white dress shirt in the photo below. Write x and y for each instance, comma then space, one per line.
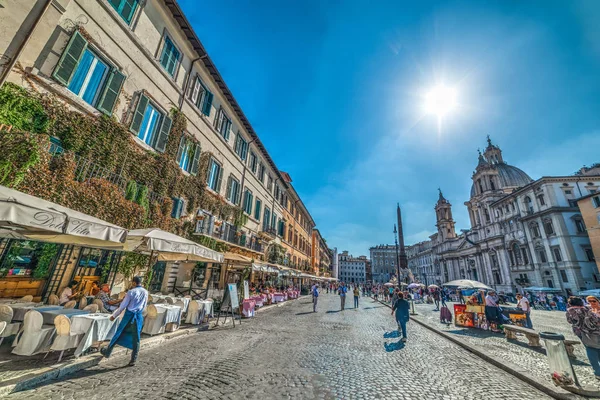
135, 300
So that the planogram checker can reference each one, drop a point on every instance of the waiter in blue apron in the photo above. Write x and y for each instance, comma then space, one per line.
129, 330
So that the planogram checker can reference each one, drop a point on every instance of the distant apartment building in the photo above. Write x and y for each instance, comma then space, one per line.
420, 262
589, 206
352, 269
383, 262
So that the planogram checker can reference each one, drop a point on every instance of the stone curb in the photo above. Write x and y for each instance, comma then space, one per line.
519, 373
45, 374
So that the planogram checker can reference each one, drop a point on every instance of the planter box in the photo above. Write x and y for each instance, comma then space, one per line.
21, 286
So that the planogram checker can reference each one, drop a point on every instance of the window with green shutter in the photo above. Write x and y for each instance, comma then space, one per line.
223, 124
125, 8
257, 209
150, 125
248, 198
201, 96
88, 75
169, 58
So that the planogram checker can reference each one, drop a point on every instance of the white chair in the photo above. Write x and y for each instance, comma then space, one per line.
122, 295
180, 304
170, 300
33, 338
26, 299
160, 301
153, 322
70, 304
92, 308
100, 305
171, 294
187, 296
53, 300
82, 303
65, 339
6, 316
193, 313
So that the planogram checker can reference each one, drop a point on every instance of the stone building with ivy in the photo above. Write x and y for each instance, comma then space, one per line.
115, 109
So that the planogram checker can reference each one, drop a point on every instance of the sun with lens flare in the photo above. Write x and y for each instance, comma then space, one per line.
440, 100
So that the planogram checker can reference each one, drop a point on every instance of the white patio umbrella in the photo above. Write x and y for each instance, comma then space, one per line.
30, 218
413, 285
467, 283
169, 246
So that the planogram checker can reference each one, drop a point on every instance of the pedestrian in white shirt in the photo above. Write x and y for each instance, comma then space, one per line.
523, 304
130, 329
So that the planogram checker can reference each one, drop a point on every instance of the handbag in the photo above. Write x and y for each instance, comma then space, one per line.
590, 340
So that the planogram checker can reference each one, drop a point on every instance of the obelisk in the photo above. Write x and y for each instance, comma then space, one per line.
403, 262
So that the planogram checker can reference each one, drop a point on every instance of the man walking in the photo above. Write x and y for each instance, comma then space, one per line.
356, 296
401, 307
315, 293
524, 305
129, 330
342, 292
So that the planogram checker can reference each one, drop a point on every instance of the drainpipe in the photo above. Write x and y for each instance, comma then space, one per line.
22, 45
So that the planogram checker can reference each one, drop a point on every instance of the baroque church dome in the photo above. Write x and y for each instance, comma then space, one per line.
509, 176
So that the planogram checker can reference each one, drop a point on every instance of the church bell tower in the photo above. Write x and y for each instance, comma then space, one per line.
443, 215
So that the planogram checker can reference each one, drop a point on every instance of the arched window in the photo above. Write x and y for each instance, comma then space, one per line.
528, 204
548, 227
535, 230
517, 252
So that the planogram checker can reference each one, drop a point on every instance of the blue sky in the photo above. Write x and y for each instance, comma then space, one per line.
335, 91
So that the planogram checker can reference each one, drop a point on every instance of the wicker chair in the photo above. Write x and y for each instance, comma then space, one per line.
70, 304
53, 300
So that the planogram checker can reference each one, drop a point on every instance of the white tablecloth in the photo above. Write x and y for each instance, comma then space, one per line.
20, 311
205, 308
278, 298
95, 327
186, 300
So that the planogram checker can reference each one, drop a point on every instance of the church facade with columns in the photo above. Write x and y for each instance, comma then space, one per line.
523, 232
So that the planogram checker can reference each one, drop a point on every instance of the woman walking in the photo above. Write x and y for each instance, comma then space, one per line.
586, 325
401, 307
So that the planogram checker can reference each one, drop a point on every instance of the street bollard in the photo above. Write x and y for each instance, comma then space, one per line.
560, 365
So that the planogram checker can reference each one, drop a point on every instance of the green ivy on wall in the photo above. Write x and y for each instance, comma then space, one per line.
25, 164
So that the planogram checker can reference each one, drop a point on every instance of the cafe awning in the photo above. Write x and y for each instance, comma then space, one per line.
261, 267
237, 258
27, 217
169, 246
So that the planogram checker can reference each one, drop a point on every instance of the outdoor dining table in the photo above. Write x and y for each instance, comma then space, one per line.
259, 300
94, 327
166, 314
248, 306
185, 300
19, 312
49, 315
278, 297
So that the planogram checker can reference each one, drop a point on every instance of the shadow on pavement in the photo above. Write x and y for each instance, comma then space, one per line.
333, 311
85, 373
391, 335
305, 313
370, 308
389, 347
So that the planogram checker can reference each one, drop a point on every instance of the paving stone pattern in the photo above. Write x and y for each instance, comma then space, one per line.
518, 353
289, 352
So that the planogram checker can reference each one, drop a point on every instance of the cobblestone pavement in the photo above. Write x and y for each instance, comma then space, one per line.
289, 352
495, 344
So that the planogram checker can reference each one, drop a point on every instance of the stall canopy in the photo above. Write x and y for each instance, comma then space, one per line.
169, 247
30, 218
540, 289
466, 283
590, 292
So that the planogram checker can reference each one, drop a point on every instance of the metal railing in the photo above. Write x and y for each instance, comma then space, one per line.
86, 169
